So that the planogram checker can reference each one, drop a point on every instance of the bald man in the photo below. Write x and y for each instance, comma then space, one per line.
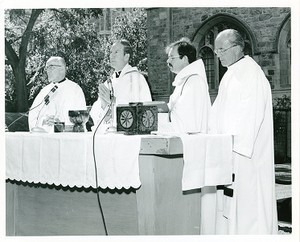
56, 99
243, 108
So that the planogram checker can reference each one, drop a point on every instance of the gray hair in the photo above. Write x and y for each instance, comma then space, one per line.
234, 37
59, 59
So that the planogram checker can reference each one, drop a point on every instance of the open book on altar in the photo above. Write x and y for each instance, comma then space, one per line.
162, 107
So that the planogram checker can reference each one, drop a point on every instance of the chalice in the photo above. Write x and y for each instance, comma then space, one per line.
79, 118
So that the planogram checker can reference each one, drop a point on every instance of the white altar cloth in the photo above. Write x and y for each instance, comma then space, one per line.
67, 159
207, 160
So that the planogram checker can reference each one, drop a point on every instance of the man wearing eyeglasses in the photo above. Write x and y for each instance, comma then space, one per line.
189, 103
243, 108
56, 99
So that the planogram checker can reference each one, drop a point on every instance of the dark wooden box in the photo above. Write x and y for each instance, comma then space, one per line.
137, 118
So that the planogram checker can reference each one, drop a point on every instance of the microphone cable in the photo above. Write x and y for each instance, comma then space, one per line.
96, 169
45, 99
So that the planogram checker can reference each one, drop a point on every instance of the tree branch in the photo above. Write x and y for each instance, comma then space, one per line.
11, 55
26, 36
33, 78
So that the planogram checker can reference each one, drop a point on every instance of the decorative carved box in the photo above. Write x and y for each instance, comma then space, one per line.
137, 118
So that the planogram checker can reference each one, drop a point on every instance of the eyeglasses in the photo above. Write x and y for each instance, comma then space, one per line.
52, 66
173, 57
222, 51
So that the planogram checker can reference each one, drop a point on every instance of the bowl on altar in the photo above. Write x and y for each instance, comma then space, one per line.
79, 118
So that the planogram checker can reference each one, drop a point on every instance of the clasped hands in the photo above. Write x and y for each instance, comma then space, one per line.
50, 120
105, 98
104, 95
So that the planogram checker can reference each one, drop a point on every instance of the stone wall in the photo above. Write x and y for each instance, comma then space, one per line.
166, 25
267, 28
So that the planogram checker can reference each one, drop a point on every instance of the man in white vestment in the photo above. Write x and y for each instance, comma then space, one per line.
243, 108
189, 103
56, 99
126, 85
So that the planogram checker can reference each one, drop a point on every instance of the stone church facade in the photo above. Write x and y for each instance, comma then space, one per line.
267, 33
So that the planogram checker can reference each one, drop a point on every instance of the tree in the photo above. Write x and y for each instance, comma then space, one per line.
30, 41
72, 34
131, 25
17, 62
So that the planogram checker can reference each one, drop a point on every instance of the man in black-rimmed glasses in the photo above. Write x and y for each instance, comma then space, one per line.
189, 103
56, 99
243, 108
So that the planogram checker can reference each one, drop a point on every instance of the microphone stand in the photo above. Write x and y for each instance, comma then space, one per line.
111, 128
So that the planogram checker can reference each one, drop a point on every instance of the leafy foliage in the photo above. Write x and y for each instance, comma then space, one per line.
72, 34
283, 102
68, 33
131, 25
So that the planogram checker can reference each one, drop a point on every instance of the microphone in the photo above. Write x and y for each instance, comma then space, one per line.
111, 89
47, 97
47, 101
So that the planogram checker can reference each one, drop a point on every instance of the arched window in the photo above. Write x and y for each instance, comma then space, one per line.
284, 49
207, 55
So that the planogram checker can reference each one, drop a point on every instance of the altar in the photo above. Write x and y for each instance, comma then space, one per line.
44, 197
